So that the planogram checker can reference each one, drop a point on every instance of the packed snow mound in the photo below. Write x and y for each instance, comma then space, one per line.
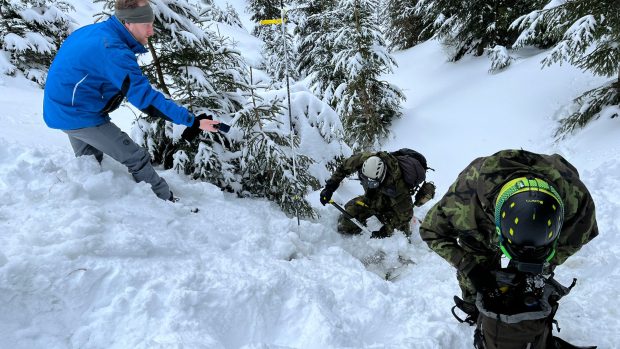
90, 259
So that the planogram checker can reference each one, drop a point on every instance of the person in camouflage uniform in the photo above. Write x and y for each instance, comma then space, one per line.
462, 227
390, 201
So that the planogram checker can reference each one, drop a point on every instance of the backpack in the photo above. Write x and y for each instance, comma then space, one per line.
413, 167
409, 161
524, 328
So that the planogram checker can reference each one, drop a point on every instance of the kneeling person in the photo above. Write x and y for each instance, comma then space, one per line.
387, 195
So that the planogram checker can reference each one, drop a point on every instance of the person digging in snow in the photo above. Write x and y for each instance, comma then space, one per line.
389, 180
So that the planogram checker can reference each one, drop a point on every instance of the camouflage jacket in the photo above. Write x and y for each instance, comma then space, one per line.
392, 200
461, 228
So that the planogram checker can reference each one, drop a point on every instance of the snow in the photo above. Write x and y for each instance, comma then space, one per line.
316, 129
16, 42
248, 45
581, 31
5, 64
90, 259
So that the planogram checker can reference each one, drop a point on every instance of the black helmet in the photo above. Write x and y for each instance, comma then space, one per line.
528, 218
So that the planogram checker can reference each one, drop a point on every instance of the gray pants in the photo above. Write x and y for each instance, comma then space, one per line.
109, 139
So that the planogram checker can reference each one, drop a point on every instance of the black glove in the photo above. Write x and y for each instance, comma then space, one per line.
482, 279
191, 132
326, 195
328, 191
381, 233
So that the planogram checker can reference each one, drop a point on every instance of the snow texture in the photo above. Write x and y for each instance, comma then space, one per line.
90, 259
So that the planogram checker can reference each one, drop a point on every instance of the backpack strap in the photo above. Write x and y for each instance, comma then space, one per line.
467, 308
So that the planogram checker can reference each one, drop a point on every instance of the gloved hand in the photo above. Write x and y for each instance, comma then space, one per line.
482, 279
381, 233
326, 195
191, 132
424, 194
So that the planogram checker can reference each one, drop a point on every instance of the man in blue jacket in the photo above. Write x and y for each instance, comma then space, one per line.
94, 70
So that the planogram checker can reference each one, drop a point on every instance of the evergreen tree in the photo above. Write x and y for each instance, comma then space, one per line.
314, 30
406, 25
311, 24
500, 58
475, 26
277, 55
228, 16
366, 105
204, 71
317, 49
275, 58
279, 155
31, 32
270, 166
263, 9
589, 34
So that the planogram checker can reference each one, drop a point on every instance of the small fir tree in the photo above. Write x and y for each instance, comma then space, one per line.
366, 104
228, 16
278, 155
500, 58
316, 47
270, 164
311, 24
31, 32
279, 58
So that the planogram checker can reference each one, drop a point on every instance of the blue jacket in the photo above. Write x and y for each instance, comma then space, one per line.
95, 68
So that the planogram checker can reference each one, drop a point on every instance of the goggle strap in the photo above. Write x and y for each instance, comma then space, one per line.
552, 254
500, 239
504, 251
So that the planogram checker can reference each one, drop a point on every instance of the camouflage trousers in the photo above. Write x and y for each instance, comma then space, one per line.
359, 208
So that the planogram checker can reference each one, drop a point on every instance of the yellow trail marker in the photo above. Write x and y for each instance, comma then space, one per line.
270, 21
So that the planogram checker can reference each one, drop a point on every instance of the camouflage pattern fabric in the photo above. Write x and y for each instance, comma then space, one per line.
461, 229
391, 203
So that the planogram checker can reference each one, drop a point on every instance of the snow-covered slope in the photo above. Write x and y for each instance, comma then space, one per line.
90, 259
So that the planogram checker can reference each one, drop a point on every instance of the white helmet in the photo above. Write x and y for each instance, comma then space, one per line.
373, 172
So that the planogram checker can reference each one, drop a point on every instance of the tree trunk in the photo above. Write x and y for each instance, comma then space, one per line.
160, 75
258, 120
